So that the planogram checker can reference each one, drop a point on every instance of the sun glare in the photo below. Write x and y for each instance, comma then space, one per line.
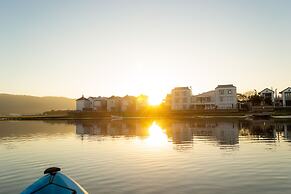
157, 136
155, 100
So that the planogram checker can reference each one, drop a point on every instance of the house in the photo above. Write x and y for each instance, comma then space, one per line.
225, 97
268, 96
113, 104
128, 103
83, 104
286, 97
181, 98
98, 103
204, 101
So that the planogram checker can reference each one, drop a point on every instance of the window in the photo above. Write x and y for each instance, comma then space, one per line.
229, 99
221, 99
221, 92
208, 99
268, 95
229, 92
288, 95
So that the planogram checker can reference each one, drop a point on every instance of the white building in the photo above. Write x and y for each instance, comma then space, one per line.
267, 94
98, 103
204, 101
225, 97
286, 97
113, 104
181, 98
82, 104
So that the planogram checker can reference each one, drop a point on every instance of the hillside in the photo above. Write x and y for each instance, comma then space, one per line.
21, 104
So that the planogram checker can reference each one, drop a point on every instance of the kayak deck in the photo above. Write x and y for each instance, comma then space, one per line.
54, 182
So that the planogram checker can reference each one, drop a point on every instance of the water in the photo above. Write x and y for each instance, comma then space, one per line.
150, 156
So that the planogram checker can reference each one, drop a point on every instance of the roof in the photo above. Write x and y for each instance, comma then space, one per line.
82, 98
97, 98
128, 97
286, 90
205, 94
226, 86
114, 98
181, 88
92, 98
265, 90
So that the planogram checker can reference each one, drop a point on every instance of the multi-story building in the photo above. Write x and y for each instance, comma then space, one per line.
128, 103
286, 97
98, 103
223, 97
181, 98
268, 95
226, 97
204, 101
83, 104
113, 104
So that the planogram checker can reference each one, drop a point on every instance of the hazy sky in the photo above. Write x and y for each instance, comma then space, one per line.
69, 48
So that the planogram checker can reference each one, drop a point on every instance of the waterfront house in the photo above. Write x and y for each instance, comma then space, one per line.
93, 102
83, 104
113, 104
128, 103
204, 101
181, 98
286, 97
223, 97
226, 97
98, 103
268, 95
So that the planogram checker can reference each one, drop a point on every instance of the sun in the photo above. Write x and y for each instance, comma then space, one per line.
155, 99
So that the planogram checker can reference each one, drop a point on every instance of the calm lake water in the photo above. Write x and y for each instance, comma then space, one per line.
150, 156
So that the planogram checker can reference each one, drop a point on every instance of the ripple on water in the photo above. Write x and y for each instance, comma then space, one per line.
214, 161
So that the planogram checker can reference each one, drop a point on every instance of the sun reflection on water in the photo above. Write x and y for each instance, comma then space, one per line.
157, 136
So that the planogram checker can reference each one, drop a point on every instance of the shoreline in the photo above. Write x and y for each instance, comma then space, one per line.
236, 115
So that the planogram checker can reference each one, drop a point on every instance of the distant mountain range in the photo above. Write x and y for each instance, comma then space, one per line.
21, 104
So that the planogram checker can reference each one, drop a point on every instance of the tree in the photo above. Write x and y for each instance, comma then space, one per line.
241, 97
268, 101
255, 100
250, 93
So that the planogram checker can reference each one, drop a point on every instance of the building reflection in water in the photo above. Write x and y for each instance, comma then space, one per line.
180, 132
114, 128
184, 133
266, 129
